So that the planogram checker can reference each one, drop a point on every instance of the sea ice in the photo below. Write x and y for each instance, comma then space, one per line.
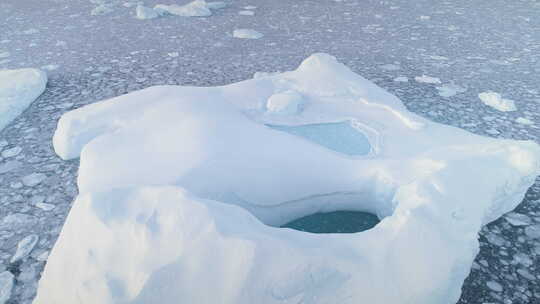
18, 89
33, 179
182, 191
6, 286
11, 152
496, 101
24, 247
247, 34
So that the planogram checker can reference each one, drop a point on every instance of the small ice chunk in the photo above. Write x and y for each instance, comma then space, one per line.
50, 67
102, 9
401, 79
4, 54
33, 179
246, 13
173, 54
6, 285
285, 103
495, 101
24, 247
43, 257
390, 67
524, 121
144, 13
517, 219
246, 34
437, 57
427, 79
449, 90
45, 206
18, 89
216, 5
494, 286
533, 232
11, 152
9, 166
16, 221
197, 8
250, 7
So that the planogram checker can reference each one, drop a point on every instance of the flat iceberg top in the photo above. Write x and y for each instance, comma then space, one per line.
18, 89
182, 190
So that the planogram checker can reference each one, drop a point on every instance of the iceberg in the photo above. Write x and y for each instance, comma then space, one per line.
182, 192
18, 89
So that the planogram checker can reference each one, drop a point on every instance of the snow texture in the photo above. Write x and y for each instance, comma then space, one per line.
180, 188
18, 89
496, 101
247, 34
285, 103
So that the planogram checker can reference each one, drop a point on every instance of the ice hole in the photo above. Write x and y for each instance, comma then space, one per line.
334, 222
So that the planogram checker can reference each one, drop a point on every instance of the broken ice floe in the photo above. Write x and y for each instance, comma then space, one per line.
427, 79
18, 89
247, 34
449, 90
24, 247
183, 187
496, 101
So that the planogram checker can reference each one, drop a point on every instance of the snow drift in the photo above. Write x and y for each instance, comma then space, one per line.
181, 190
18, 89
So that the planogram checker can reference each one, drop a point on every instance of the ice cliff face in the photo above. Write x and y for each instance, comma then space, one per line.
180, 188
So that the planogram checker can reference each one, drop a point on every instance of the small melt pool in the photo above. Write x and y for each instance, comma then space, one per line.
340, 136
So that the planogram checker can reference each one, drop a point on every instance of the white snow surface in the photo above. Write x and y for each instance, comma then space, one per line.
496, 101
247, 34
285, 103
181, 190
18, 89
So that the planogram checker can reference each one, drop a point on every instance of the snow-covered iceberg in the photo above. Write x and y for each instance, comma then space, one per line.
18, 89
182, 190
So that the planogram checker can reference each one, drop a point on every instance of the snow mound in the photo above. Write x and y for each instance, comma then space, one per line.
197, 8
18, 89
496, 101
182, 190
247, 34
286, 103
